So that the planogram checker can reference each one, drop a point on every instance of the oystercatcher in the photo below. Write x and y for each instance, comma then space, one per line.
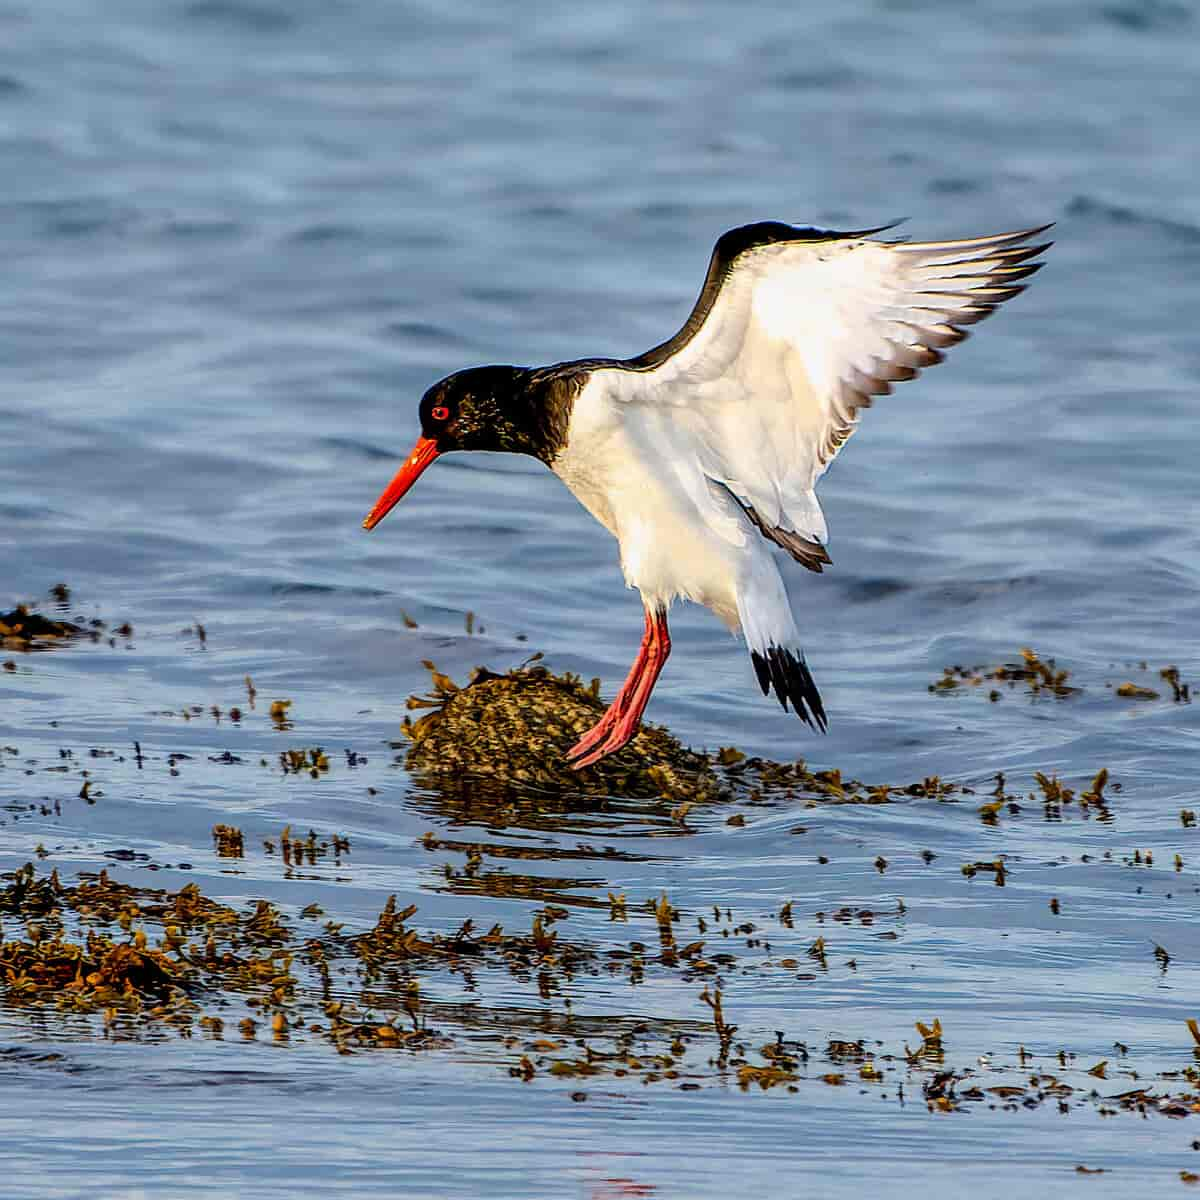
701, 453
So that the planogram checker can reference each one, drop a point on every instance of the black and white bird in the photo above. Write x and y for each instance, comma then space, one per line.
702, 453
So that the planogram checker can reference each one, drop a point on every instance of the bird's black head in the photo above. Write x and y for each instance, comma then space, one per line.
482, 408
485, 408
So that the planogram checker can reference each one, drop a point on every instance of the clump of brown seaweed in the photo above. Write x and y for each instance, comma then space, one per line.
519, 726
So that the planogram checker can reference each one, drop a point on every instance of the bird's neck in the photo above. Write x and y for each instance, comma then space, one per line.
533, 417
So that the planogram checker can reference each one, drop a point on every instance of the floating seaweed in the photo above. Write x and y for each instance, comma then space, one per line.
1181, 692
145, 961
1040, 677
229, 841
25, 629
1043, 677
141, 961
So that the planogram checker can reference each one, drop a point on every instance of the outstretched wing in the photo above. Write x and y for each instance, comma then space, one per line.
793, 334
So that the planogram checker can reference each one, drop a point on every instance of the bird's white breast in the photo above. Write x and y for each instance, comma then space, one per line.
590, 462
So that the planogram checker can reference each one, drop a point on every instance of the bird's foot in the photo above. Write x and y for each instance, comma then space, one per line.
597, 734
620, 730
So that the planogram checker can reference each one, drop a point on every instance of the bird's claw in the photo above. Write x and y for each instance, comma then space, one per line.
611, 733
597, 733
611, 745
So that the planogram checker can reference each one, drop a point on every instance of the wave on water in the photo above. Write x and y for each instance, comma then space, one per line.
1091, 208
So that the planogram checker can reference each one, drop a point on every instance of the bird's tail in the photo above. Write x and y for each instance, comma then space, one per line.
774, 642
786, 671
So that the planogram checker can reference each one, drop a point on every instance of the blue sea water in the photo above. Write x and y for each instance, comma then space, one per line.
240, 238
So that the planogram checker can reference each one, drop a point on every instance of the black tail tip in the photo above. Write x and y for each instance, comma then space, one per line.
790, 677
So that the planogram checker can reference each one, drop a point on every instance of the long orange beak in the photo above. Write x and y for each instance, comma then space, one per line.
423, 453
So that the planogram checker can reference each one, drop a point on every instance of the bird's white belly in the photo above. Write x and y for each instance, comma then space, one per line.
679, 539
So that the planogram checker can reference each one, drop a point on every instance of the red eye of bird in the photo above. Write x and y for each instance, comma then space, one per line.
439, 412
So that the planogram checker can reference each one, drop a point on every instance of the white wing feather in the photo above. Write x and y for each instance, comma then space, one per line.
798, 339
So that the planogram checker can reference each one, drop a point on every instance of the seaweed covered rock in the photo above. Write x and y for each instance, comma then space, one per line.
519, 727
503, 739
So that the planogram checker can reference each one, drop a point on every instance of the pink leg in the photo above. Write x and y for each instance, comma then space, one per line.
656, 647
604, 726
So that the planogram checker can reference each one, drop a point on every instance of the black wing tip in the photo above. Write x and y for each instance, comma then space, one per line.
780, 669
